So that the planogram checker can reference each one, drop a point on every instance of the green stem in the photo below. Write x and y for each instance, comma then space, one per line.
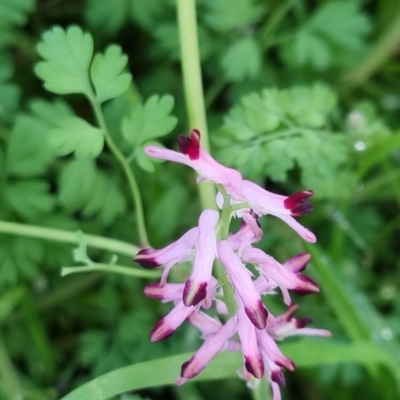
58, 235
276, 17
123, 161
8, 375
223, 233
386, 46
193, 86
115, 269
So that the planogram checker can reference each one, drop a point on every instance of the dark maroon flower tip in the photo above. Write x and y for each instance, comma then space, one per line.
256, 370
309, 287
153, 290
192, 299
290, 312
184, 369
258, 316
160, 331
302, 322
287, 363
145, 261
297, 203
190, 145
278, 377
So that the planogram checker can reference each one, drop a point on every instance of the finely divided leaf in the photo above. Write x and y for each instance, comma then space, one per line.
335, 34
242, 60
223, 16
109, 16
150, 121
75, 135
85, 188
77, 182
13, 12
30, 199
67, 54
27, 153
343, 23
107, 74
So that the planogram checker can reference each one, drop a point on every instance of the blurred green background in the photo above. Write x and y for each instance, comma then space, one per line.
299, 95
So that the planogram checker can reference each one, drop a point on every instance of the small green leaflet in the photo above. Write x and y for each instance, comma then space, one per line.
75, 135
29, 153
224, 17
14, 12
19, 257
30, 199
271, 132
109, 16
68, 55
242, 60
337, 27
69, 66
85, 188
107, 74
148, 122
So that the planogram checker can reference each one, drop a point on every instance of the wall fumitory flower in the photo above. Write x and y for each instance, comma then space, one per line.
248, 325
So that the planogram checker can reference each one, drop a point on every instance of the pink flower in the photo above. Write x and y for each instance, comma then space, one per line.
286, 325
193, 155
214, 343
283, 277
261, 201
206, 249
251, 328
175, 253
240, 279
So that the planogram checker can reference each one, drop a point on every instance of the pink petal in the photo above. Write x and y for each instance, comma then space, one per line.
167, 325
240, 278
176, 252
254, 362
206, 248
210, 348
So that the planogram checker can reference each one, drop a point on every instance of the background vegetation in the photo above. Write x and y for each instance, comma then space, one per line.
299, 95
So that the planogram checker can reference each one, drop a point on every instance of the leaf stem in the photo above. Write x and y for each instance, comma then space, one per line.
193, 86
123, 161
116, 269
59, 235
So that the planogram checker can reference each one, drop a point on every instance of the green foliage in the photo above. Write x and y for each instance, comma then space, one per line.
68, 56
337, 27
75, 135
13, 13
146, 123
242, 60
280, 129
107, 74
221, 16
288, 103
85, 188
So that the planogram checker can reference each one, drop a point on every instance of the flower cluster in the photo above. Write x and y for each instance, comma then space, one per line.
251, 327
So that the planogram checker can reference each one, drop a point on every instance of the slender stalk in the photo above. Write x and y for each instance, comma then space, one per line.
8, 375
274, 20
223, 233
116, 269
123, 161
193, 86
58, 235
386, 46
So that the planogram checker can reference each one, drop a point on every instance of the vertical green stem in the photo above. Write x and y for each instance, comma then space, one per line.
193, 85
123, 161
